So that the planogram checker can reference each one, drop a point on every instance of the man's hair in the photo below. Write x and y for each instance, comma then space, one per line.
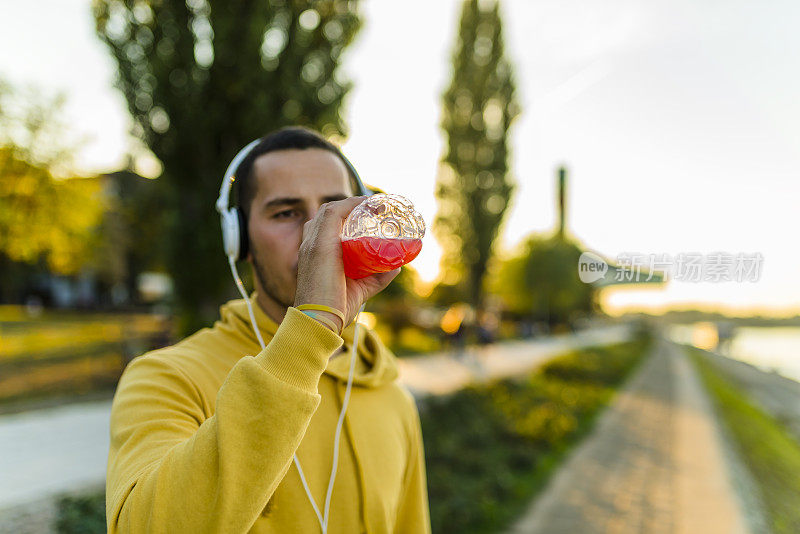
290, 137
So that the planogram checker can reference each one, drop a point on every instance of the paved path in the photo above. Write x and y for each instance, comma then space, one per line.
56, 450
53, 450
654, 464
441, 373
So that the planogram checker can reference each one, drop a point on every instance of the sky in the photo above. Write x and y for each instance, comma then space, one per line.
678, 122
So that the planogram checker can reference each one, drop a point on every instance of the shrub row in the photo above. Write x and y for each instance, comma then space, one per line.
490, 448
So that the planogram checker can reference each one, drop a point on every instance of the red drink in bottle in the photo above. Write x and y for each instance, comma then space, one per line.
366, 255
382, 233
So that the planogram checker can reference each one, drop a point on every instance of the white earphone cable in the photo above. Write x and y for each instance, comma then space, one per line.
339, 423
240, 286
323, 519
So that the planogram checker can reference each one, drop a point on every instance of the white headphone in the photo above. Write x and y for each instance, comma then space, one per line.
229, 216
234, 239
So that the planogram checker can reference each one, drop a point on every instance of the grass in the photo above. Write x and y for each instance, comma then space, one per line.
24, 337
63, 353
489, 449
769, 451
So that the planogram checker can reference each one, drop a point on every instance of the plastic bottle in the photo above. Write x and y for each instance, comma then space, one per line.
381, 234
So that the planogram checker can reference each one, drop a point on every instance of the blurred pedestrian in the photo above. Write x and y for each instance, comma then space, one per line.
453, 326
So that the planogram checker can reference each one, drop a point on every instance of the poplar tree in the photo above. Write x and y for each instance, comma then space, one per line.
474, 187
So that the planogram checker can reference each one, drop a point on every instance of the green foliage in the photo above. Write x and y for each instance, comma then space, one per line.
490, 448
473, 187
82, 515
542, 281
599, 365
204, 77
33, 126
45, 214
768, 450
44, 217
398, 310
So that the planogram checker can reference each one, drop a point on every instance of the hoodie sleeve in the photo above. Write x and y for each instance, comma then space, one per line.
172, 470
413, 514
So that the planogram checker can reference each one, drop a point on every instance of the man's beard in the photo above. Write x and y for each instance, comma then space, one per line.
270, 288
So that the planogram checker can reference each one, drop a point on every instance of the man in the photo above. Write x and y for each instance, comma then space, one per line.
203, 433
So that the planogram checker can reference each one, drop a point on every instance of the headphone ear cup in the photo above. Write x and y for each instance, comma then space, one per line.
230, 232
244, 241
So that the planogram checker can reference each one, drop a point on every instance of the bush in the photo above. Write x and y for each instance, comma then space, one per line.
490, 448
82, 515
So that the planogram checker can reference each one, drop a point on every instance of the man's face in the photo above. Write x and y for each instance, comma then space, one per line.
291, 185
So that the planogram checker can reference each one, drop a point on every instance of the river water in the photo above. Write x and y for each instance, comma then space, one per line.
775, 349
770, 348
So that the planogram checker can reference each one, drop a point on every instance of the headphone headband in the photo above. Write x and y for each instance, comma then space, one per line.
227, 181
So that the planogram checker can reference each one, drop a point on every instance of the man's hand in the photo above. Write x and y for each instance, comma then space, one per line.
320, 273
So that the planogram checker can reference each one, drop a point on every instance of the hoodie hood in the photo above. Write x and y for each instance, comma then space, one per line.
375, 364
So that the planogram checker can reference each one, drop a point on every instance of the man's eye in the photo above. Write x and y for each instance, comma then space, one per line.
285, 214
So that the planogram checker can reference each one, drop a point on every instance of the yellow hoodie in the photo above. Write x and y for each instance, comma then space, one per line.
203, 433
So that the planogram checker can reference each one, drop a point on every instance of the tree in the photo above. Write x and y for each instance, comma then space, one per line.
201, 79
473, 186
398, 303
46, 215
131, 235
541, 281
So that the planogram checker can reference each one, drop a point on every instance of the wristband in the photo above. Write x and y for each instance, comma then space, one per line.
322, 307
330, 324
